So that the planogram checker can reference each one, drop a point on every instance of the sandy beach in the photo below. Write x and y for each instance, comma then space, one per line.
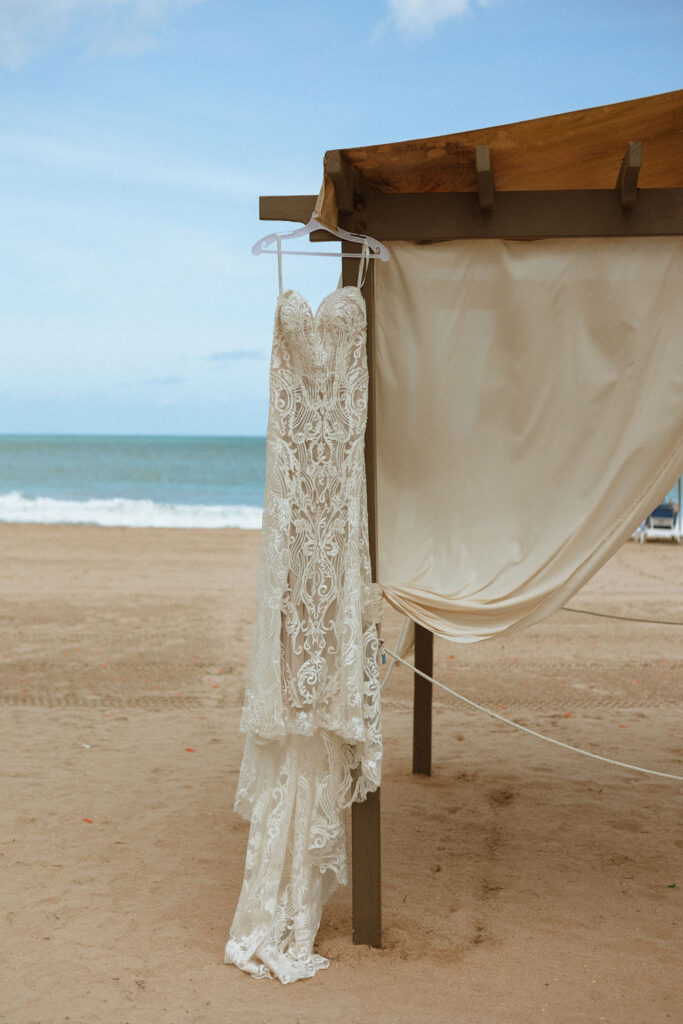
521, 883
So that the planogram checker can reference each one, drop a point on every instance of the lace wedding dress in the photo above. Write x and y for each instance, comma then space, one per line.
311, 712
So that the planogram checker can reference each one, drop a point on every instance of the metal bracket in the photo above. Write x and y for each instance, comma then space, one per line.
487, 191
627, 182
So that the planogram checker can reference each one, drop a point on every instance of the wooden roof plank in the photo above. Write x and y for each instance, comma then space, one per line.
575, 150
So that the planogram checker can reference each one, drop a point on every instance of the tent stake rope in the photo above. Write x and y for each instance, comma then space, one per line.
522, 728
625, 618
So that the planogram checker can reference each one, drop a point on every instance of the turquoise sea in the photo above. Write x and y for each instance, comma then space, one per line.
135, 481
132, 481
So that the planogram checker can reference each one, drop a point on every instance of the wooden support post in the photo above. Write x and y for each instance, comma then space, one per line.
366, 871
627, 182
422, 702
366, 850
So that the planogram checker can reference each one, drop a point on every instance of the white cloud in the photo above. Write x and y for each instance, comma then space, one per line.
422, 16
122, 27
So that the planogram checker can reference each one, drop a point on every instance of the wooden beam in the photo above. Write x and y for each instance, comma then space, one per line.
487, 195
297, 208
366, 847
627, 182
439, 216
422, 702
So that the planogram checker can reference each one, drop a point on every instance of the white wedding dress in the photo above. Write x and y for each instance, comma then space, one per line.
311, 712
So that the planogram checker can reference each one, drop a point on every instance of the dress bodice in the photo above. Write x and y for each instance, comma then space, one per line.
316, 342
318, 397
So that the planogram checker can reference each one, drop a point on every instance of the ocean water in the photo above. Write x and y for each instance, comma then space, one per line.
207, 482
133, 481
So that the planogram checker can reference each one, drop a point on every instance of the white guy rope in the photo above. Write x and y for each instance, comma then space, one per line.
624, 618
523, 728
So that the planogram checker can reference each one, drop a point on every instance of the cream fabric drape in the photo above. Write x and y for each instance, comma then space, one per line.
529, 417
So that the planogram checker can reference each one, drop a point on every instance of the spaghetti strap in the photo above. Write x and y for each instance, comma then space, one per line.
363, 265
279, 266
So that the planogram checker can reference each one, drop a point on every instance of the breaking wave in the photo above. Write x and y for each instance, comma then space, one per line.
16, 508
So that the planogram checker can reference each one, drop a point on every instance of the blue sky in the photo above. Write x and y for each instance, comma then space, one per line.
137, 135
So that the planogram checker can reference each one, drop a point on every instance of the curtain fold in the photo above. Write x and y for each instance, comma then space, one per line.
529, 408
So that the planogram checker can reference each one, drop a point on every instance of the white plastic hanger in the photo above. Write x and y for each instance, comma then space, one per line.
376, 249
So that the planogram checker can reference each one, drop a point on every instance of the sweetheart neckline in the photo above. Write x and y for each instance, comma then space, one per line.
314, 316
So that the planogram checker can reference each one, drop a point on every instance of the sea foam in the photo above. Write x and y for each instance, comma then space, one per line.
17, 508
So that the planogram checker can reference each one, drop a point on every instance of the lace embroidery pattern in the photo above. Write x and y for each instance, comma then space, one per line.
311, 712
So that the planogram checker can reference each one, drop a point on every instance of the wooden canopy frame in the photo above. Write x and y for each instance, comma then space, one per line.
610, 171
